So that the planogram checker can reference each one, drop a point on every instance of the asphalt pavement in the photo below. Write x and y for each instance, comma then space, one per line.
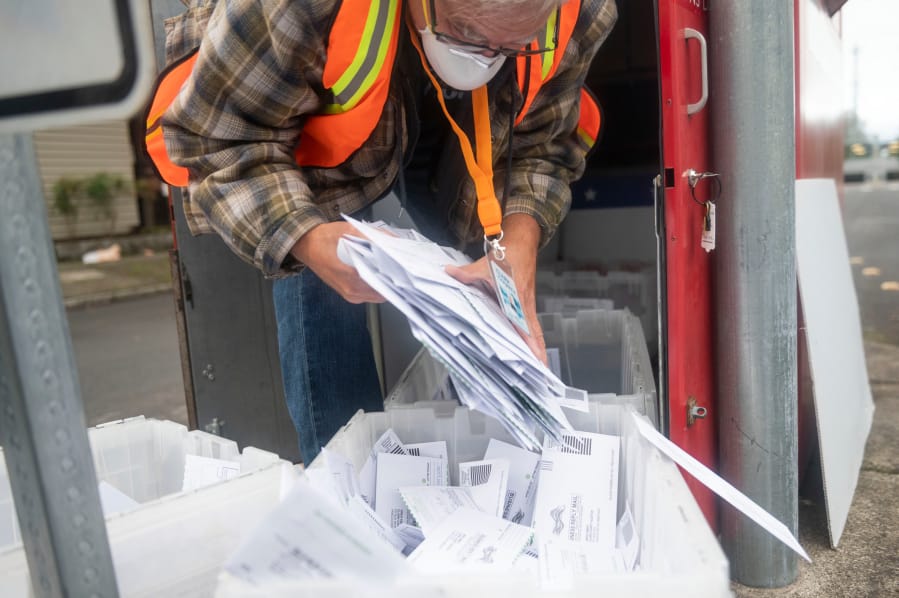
128, 359
871, 217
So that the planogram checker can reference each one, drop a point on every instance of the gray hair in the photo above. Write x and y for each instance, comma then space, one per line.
510, 11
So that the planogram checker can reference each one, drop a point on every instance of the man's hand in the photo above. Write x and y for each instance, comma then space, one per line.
521, 238
318, 250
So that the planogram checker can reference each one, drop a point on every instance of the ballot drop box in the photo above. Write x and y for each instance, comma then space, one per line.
165, 540
678, 556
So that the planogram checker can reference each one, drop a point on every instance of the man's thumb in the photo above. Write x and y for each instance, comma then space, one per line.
466, 275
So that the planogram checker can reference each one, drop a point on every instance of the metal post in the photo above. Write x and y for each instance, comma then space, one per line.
754, 150
42, 426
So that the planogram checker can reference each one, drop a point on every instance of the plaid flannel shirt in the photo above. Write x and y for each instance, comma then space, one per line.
238, 117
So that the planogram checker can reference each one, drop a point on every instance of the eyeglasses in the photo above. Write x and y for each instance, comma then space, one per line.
508, 52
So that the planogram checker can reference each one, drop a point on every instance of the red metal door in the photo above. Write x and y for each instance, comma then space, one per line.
688, 382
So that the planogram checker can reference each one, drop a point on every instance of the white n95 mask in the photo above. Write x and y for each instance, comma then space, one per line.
456, 67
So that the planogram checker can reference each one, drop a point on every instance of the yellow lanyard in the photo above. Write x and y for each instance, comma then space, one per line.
490, 213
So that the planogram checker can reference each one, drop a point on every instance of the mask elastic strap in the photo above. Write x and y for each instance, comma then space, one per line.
481, 168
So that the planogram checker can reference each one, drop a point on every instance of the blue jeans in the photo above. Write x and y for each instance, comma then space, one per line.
326, 359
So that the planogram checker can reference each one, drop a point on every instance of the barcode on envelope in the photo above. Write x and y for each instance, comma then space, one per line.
414, 451
507, 506
397, 450
479, 474
576, 446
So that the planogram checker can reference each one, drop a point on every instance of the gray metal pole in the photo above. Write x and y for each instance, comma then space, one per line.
754, 150
42, 426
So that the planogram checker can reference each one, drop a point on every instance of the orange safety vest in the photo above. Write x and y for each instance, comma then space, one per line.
357, 73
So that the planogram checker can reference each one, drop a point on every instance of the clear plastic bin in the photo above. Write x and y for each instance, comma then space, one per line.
175, 542
679, 556
604, 353
635, 291
425, 379
584, 284
569, 306
144, 458
604, 348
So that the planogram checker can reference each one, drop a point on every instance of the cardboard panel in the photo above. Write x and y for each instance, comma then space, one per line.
843, 403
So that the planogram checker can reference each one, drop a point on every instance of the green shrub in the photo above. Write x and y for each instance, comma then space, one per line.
100, 190
65, 197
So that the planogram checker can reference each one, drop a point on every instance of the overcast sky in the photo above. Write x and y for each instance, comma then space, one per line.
873, 27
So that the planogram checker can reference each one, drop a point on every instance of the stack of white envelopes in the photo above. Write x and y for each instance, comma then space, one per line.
463, 327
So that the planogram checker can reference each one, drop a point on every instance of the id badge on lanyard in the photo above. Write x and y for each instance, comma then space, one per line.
504, 284
480, 168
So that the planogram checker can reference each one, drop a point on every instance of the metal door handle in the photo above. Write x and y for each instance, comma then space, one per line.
693, 34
